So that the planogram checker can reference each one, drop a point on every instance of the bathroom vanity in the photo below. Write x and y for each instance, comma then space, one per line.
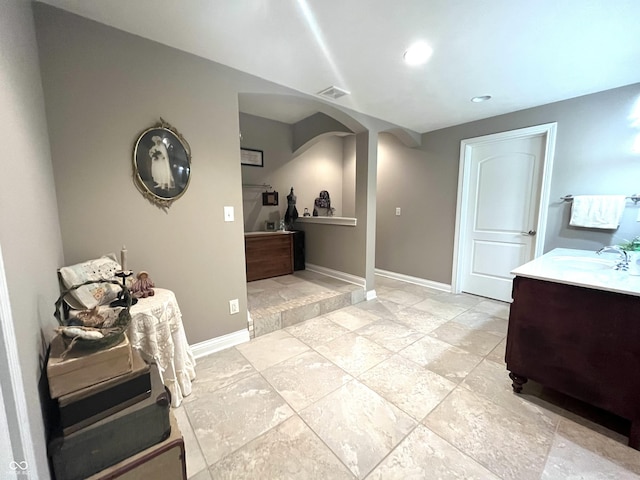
574, 326
268, 254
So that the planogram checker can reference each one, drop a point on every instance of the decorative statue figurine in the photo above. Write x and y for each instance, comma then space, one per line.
292, 212
143, 286
322, 205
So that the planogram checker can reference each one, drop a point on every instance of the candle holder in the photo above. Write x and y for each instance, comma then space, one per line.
121, 301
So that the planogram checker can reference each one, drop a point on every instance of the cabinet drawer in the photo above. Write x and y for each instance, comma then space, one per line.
267, 242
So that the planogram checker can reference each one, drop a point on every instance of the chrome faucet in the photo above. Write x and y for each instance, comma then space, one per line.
623, 263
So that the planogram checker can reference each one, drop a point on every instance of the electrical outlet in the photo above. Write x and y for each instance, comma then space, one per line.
234, 306
398, 211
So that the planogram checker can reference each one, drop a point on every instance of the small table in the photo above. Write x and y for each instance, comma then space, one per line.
156, 330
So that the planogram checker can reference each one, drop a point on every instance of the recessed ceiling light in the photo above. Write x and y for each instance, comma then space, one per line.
417, 54
482, 98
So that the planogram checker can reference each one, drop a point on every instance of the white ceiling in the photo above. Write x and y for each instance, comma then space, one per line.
524, 54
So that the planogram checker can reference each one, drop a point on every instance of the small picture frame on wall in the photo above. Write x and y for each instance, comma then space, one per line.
270, 198
251, 157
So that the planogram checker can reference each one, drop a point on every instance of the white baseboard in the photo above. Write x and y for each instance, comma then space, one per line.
346, 277
213, 345
371, 295
443, 287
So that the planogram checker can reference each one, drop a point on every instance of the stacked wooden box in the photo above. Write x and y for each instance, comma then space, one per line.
112, 407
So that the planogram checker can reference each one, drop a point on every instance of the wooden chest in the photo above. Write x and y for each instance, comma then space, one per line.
89, 405
163, 461
80, 369
114, 438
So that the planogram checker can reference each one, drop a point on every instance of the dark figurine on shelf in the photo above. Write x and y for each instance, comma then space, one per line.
322, 205
292, 212
143, 286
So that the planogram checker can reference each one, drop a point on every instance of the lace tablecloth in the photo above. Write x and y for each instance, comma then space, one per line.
156, 329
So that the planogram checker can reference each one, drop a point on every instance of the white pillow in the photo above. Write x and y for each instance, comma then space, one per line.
94, 294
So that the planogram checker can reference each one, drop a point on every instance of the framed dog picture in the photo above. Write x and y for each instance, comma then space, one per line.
161, 164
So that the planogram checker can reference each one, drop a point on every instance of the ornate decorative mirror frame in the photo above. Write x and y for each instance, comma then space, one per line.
161, 164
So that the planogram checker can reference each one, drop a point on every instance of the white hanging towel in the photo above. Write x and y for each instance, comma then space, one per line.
597, 211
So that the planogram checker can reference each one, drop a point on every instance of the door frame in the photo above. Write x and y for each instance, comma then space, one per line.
21, 446
548, 130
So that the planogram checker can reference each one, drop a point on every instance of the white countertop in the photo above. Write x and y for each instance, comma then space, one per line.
270, 232
582, 268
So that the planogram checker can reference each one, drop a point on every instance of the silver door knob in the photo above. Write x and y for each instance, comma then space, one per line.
530, 233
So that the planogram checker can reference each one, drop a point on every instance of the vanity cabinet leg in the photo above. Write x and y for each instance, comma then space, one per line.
634, 434
518, 381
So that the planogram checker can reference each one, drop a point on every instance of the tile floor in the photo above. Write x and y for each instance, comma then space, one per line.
411, 385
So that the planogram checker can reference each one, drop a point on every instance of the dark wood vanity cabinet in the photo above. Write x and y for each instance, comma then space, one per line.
579, 341
268, 255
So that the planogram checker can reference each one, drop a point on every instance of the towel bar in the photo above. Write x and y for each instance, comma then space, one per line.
635, 198
255, 185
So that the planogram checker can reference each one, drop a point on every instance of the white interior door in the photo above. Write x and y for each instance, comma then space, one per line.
503, 179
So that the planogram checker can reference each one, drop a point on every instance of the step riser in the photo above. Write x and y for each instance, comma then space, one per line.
267, 320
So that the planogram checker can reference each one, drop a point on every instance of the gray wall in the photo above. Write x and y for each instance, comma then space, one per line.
30, 235
349, 176
274, 139
593, 156
318, 167
326, 163
407, 180
307, 130
102, 88
344, 248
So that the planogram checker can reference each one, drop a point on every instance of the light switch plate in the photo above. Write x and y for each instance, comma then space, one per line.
398, 211
234, 306
228, 214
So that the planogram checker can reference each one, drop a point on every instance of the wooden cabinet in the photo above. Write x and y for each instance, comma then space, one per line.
268, 255
580, 341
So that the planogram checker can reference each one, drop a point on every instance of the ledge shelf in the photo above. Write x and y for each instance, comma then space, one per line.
344, 221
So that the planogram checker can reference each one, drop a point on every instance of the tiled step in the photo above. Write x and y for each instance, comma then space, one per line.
271, 318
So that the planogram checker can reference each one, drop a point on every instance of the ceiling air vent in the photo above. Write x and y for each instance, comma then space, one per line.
333, 92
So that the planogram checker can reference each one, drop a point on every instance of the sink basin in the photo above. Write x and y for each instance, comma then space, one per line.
584, 268
583, 263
